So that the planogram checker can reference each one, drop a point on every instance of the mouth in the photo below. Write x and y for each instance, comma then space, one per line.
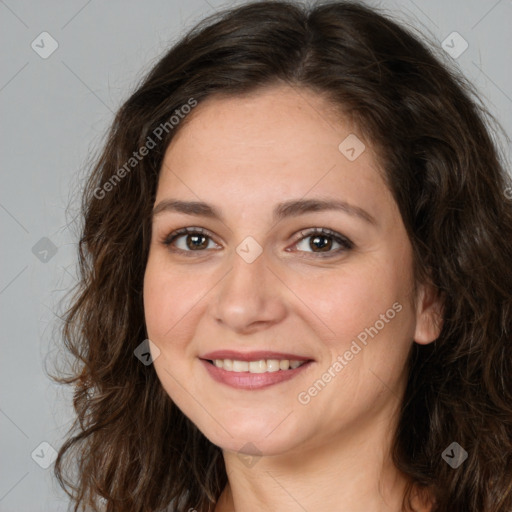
253, 370
258, 366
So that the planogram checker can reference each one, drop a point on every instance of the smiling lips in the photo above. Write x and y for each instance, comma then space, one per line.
260, 366
253, 370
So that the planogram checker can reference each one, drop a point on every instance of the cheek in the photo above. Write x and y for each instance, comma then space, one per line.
169, 299
351, 300
169, 314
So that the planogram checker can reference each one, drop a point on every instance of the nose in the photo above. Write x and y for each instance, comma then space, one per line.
250, 297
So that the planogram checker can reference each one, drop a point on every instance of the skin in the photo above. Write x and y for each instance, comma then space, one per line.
244, 155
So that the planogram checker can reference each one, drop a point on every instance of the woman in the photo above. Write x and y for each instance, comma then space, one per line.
295, 279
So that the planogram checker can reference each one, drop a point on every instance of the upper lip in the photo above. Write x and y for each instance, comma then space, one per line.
252, 356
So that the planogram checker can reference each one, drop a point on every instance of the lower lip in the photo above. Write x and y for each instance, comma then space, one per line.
247, 380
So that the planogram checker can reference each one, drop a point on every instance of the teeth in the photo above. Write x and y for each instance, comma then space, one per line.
240, 366
260, 366
272, 365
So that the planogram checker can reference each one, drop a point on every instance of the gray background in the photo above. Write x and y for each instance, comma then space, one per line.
54, 115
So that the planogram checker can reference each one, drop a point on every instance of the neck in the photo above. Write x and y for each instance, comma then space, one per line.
349, 472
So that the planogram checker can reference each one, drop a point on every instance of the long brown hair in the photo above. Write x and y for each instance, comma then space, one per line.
130, 445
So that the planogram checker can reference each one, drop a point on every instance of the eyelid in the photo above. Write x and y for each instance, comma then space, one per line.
346, 243
342, 240
171, 237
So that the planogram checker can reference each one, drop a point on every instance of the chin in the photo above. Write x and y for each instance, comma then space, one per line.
252, 437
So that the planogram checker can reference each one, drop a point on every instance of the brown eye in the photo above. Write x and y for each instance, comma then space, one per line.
321, 241
188, 240
196, 241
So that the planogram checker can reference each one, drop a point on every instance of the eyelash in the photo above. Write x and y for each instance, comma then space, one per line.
344, 242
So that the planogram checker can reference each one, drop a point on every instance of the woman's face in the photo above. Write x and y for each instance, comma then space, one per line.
260, 287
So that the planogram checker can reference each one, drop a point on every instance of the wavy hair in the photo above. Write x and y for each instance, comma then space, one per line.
131, 448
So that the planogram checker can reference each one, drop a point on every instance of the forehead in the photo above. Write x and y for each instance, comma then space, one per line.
282, 120
271, 144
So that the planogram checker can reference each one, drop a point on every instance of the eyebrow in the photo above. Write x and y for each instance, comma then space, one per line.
282, 210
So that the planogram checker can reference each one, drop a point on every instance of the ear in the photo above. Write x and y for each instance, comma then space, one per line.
429, 314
